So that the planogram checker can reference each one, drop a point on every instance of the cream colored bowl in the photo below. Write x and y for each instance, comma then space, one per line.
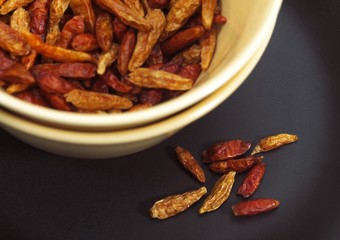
97, 145
247, 28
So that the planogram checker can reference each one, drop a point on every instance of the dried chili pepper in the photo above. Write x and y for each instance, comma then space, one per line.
275, 141
136, 5
34, 20
76, 70
70, 70
12, 41
172, 205
219, 19
31, 97
17, 87
107, 58
191, 71
126, 50
126, 15
219, 194
225, 150
104, 30
20, 19
237, 165
151, 96
149, 78
93, 101
100, 86
115, 83
135, 90
39, 13
182, 39
156, 66
173, 66
10, 5
119, 29
147, 40
6, 62
189, 162
138, 107
13, 72
57, 10
84, 42
57, 102
71, 28
252, 181
155, 56
170, 68
208, 10
56, 53
255, 206
2, 2
50, 82
28, 60
208, 44
159, 3
193, 21
191, 55
84, 8
180, 12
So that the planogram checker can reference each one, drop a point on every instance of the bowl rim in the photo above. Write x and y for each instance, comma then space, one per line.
166, 126
116, 121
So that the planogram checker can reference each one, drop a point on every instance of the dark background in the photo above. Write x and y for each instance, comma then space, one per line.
294, 89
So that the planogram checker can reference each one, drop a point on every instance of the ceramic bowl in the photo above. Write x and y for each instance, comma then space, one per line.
96, 145
248, 25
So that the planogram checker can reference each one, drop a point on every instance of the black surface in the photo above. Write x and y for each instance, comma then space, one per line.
294, 89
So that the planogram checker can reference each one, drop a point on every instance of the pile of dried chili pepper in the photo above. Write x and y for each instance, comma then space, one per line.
224, 158
105, 55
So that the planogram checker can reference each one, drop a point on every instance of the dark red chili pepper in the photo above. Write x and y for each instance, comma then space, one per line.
225, 150
237, 165
252, 181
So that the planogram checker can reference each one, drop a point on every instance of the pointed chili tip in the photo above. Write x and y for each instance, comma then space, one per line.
256, 150
179, 149
201, 211
276, 203
233, 208
201, 179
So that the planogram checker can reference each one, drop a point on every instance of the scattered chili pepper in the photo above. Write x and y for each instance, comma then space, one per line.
272, 142
237, 165
252, 181
190, 163
255, 206
225, 150
172, 205
219, 194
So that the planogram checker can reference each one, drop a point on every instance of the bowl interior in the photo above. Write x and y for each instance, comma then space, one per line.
238, 40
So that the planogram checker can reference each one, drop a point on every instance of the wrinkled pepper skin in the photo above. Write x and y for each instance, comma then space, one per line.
255, 206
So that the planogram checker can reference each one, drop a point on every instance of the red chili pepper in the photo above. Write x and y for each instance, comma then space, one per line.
255, 206
252, 181
225, 150
237, 165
